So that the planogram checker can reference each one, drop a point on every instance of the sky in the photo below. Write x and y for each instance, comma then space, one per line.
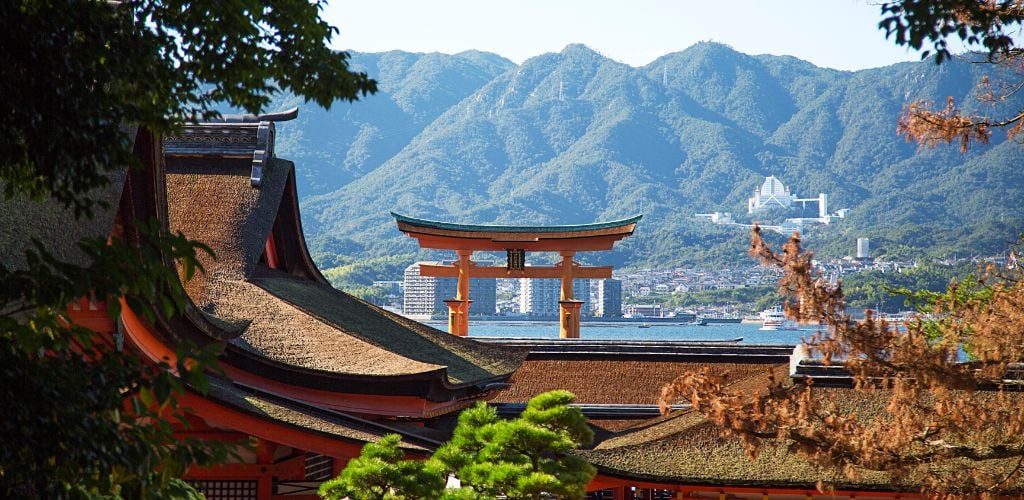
840, 34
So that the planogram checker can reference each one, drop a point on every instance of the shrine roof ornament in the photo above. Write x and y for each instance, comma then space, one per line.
230, 136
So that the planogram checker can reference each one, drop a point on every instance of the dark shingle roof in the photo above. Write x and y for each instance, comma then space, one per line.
300, 322
217, 205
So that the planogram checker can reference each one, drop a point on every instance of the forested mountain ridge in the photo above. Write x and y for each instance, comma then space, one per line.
334, 147
575, 137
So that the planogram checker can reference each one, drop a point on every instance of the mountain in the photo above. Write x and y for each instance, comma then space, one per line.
575, 137
334, 147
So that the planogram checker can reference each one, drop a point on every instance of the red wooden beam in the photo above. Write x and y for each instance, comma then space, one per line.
591, 244
437, 271
227, 436
270, 252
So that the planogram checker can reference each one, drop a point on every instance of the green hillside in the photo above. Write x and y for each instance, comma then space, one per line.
576, 137
334, 147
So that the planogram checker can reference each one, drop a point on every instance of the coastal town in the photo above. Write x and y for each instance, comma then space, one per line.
638, 294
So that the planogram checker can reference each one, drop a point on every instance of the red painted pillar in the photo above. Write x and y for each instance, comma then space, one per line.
265, 457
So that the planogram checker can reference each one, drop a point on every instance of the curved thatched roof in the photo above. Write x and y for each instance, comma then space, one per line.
684, 448
290, 320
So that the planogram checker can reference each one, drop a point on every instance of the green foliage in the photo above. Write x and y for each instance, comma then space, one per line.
892, 291
82, 70
69, 435
524, 457
79, 78
915, 23
759, 295
527, 457
356, 276
381, 471
61, 378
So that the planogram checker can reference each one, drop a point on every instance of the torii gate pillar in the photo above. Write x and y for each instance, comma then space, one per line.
568, 306
458, 308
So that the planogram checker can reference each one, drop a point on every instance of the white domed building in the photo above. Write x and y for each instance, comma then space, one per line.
772, 193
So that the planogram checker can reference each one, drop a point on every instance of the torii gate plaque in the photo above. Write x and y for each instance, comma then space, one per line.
516, 241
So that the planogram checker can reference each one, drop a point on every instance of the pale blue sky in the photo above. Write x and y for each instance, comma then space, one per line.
840, 34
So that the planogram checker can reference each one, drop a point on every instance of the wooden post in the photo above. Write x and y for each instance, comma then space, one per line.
458, 316
567, 275
568, 306
569, 312
458, 308
265, 458
462, 290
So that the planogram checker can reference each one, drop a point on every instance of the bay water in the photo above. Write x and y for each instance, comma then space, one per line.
748, 333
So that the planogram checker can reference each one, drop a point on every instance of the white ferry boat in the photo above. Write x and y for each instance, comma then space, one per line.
775, 319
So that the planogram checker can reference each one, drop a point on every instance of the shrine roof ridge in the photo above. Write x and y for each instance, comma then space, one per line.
451, 226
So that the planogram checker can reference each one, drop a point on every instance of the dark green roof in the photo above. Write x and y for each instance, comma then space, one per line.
495, 228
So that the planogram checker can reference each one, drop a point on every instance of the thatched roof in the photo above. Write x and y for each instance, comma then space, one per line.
299, 322
684, 448
293, 321
55, 226
612, 381
681, 447
216, 204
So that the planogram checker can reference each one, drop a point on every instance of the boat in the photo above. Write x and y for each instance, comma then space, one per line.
709, 320
644, 325
775, 319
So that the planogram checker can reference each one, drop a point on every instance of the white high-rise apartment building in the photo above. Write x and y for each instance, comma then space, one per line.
539, 297
425, 295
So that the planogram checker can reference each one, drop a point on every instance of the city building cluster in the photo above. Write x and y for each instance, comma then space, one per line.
631, 294
422, 297
628, 294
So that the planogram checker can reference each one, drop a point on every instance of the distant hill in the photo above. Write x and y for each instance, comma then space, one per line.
575, 137
334, 147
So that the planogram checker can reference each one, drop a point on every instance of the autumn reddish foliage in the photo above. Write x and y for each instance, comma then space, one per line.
989, 25
921, 409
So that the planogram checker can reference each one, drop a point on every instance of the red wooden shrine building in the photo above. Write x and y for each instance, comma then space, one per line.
311, 373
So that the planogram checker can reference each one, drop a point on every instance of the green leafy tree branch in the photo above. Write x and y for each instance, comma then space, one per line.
80, 79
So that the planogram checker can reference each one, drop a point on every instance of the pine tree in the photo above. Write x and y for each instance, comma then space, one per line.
524, 458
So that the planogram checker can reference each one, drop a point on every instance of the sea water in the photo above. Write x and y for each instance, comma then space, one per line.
749, 333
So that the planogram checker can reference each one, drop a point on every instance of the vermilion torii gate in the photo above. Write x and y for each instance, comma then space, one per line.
515, 241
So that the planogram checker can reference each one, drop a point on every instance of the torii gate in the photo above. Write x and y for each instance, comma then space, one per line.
515, 241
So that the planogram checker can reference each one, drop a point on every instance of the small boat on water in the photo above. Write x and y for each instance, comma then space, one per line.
644, 325
775, 319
